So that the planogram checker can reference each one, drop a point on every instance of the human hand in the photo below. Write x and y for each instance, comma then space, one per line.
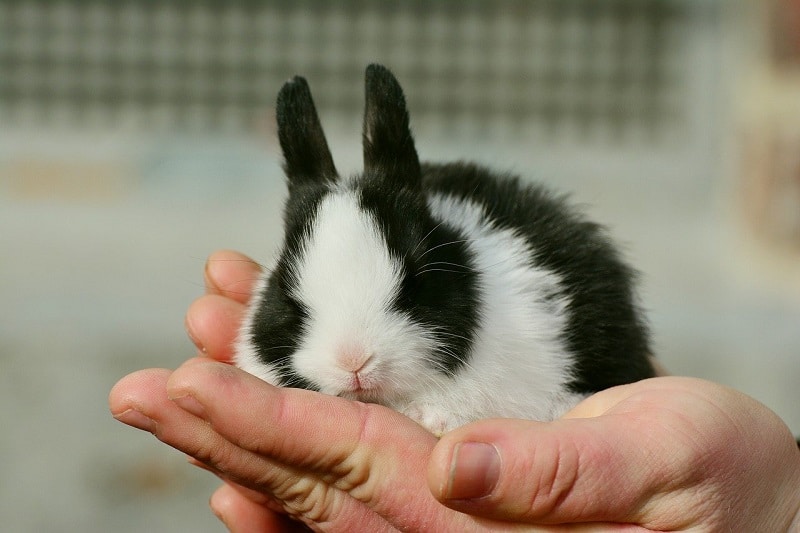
668, 453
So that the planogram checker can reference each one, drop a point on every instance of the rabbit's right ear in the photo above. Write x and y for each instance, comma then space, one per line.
307, 158
389, 150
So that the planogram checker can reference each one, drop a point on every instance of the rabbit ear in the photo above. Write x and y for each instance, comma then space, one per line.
307, 158
389, 151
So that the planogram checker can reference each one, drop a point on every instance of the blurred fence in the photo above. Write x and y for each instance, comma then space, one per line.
589, 70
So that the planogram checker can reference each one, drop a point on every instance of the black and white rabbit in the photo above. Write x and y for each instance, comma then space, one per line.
445, 291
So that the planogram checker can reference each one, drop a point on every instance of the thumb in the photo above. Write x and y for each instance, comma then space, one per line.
570, 470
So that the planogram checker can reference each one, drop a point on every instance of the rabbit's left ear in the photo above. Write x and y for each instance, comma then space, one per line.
305, 150
389, 151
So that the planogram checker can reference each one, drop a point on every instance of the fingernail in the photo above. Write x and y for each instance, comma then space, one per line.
211, 285
215, 505
190, 332
474, 471
134, 418
191, 405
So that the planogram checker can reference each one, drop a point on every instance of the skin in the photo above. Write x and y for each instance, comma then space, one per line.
665, 454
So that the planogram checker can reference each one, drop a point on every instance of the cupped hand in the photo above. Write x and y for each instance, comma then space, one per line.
662, 454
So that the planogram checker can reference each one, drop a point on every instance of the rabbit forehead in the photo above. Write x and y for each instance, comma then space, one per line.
345, 268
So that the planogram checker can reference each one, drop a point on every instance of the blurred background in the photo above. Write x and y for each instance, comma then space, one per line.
137, 137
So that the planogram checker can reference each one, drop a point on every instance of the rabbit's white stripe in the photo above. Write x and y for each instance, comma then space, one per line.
345, 245
519, 350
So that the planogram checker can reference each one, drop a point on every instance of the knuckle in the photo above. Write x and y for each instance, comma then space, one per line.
558, 474
536, 483
307, 499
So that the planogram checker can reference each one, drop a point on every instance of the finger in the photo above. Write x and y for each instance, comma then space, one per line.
242, 515
141, 400
548, 473
212, 323
601, 403
231, 274
370, 452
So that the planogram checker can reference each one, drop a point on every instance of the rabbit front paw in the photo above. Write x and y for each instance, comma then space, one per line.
433, 418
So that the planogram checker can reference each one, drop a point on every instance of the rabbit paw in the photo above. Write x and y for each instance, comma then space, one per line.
434, 419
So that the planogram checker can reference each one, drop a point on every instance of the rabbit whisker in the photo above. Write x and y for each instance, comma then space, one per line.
426, 236
442, 245
279, 348
456, 265
427, 270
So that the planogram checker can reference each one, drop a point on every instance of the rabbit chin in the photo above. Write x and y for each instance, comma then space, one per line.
368, 386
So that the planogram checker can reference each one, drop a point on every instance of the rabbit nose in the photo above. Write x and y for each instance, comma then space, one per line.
352, 357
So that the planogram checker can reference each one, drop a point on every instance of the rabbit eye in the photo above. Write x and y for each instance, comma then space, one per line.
296, 306
408, 289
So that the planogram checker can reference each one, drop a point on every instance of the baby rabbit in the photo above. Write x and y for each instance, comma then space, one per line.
448, 292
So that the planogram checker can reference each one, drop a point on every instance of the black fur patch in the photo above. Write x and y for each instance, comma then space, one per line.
605, 328
277, 327
439, 289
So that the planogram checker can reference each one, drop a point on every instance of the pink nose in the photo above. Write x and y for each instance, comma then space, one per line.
352, 357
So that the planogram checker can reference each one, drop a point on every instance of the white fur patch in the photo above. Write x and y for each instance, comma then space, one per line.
345, 267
